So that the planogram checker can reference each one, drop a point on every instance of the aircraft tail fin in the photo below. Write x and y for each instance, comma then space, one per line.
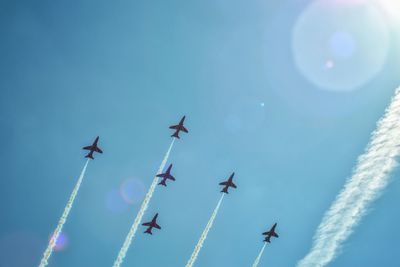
176, 135
148, 231
267, 239
162, 183
90, 156
225, 190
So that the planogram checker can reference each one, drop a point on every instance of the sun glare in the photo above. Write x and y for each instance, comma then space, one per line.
391, 8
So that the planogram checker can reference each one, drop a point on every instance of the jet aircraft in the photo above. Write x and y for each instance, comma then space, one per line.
228, 184
178, 128
93, 148
152, 224
165, 176
270, 233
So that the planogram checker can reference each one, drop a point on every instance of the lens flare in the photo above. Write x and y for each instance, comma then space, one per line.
350, 38
132, 191
49, 250
392, 9
329, 64
342, 45
61, 242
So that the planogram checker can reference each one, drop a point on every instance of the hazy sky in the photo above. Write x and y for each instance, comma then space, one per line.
284, 93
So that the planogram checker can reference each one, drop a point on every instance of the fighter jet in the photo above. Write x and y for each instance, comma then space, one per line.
165, 176
93, 148
179, 127
270, 233
228, 184
151, 225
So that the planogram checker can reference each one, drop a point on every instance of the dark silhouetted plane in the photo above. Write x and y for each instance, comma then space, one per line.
151, 225
93, 148
270, 233
228, 184
179, 127
165, 176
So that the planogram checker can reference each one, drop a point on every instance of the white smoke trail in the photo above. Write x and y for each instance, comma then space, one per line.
143, 208
63, 219
370, 177
203, 236
255, 264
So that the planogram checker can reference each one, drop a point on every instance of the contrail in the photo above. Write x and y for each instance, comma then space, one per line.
255, 264
143, 208
370, 177
63, 219
203, 236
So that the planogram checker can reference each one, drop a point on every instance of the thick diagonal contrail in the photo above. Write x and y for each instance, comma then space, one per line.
370, 177
257, 261
203, 236
63, 219
143, 208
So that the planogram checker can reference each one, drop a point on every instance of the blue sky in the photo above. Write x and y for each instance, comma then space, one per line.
126, 70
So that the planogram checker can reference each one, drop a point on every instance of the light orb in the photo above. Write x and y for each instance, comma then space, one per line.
348, 38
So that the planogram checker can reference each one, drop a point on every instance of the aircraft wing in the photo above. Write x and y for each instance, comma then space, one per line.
161, 175
269, 233
88, 147
174, 127
157, 226
183, 129
98, 150
223, 183
146, 224
233, 185
171, 178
